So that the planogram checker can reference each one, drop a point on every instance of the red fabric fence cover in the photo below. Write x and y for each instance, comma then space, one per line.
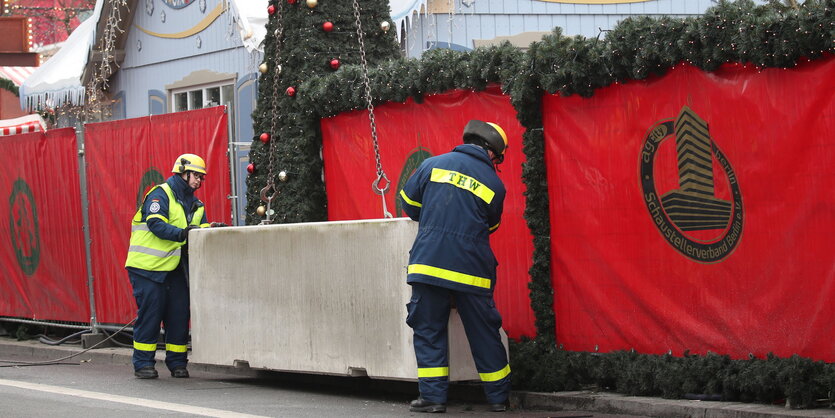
125, 159
696, 211
41, 234
410, 132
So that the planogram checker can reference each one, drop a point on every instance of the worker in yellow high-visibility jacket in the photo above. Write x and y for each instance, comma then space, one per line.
157, 265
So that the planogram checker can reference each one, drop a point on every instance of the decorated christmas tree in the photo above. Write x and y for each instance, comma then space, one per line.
305, 40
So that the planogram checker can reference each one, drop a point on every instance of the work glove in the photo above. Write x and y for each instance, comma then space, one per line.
184, 232
217, 224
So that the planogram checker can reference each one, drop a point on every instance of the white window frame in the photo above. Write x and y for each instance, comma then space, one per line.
203, 88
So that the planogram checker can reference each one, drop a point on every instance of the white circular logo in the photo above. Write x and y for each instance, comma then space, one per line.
154, 207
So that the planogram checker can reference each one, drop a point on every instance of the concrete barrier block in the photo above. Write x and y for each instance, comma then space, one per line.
325, 298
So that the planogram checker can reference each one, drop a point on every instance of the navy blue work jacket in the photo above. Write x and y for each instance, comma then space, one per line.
457, 198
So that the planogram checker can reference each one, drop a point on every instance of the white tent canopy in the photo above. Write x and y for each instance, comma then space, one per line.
58, 81
22, 125
401, 9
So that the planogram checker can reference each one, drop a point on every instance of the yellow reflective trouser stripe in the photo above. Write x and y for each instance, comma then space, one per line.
450, 275
409, 201
176, 348
144, 347
464, 182
499, 375
433, 371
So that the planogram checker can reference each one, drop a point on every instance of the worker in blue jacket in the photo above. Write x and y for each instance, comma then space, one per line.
457, 198
157, 266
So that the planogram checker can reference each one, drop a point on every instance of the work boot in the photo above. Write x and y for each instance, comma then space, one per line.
498, 407
147, 372
422, 405
180, 372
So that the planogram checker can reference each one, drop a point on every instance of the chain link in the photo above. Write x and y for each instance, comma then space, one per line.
381, 175
268, 192
277, 71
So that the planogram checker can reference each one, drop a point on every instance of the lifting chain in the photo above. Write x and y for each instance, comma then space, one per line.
269, 192
381, 183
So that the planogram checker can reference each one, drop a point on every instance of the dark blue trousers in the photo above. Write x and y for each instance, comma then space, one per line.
166, 303
428, 315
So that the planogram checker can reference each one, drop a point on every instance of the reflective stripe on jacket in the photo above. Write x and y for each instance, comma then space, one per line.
458, 200
149, 252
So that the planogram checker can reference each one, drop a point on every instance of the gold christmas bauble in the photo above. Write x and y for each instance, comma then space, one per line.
312, 3
263, 68
261, 211
385, 25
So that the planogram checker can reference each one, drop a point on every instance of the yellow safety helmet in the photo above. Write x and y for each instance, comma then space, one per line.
189, 162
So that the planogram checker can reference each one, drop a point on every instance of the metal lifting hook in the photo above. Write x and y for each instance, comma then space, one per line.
381, 179
381, 190
268, 200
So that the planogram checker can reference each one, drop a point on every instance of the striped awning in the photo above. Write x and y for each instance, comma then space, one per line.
16, 74
22, 125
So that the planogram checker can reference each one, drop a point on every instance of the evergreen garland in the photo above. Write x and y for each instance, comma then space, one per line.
638, 47
797, 381
7, 84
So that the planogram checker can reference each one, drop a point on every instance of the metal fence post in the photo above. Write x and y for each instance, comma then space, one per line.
88, 339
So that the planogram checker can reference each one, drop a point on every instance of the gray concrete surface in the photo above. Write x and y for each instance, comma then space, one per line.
323, 297
562, 404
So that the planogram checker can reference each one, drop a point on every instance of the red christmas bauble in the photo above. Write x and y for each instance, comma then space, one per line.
335, 64
250, 168
271, 10
327, 26
265, 137
291, 1
291, 91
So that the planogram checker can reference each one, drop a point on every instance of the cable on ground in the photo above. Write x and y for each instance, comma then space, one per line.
59, 360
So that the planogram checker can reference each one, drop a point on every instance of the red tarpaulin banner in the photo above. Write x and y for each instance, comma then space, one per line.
695, 211
124, 160
42, 246
410, 132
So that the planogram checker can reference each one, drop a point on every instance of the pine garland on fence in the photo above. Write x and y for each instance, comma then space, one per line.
638, 47
7, 84
800, 382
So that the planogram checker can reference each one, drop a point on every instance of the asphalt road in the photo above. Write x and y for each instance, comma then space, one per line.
89, 389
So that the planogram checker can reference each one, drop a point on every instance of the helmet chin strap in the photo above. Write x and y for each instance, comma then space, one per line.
185, 175
496, 159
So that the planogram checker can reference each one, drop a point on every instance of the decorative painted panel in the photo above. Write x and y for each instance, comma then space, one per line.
179, 29
247, 91
117, 106
157, 102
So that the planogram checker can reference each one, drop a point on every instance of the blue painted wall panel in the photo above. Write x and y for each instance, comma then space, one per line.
486, 19
148, 49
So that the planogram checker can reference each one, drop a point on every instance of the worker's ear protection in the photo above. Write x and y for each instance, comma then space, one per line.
189, 162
